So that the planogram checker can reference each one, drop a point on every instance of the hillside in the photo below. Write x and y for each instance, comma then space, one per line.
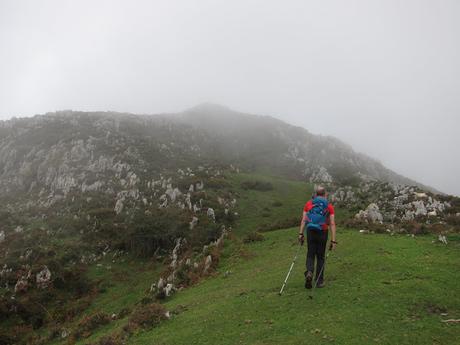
62, 150
382, 288
263, 141
104, 215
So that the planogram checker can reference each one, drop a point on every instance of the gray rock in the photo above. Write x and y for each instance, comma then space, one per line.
321, 176
43, 278
193, 223
169, 289
173, 193
161, 284
420, 209
175, 252
118, 206
21, 285
199, 185
442, 239
371, 214
408, 216
207, 264
210, 213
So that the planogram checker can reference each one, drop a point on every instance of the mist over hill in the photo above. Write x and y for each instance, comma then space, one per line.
65, 150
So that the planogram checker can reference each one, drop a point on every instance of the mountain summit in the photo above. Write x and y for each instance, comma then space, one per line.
204, 133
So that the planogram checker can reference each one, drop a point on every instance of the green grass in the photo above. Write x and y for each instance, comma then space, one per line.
123, 284
381, 289
256, 208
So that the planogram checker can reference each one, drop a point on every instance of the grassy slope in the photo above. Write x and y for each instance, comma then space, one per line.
257, 208
381, 289
124, 283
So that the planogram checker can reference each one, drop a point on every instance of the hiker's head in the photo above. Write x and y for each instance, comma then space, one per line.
320, 191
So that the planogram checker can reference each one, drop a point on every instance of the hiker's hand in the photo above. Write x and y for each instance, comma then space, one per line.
301, 239
332, 245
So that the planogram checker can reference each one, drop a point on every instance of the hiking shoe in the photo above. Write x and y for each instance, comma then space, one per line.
308, 280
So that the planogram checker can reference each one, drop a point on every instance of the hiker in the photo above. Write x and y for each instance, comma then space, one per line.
318, 214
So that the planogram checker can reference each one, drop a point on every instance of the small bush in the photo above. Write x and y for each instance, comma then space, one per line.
280, 224
146, 317
217, 183
111, 340
277, 203
257, 185
253, 237
265, 212
6, 338
453, 219
102, 213
90, 323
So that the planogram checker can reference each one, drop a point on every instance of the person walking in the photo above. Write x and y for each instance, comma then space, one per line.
318, 215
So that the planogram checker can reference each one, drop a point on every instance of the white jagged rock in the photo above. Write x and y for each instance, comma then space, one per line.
321, 176
169, 289
193, 223
442, 239
2, 236
94, 187
188, 201
420, 195
420, 209
21, 285
408, 216
207, 264
211, 214
175, 252
161, 284
133, 180
119, 206
371, 214
43, 278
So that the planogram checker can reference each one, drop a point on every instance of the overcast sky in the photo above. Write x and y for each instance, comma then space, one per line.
383, 76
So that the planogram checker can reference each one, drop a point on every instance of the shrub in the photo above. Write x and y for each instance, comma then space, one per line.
257, 185
102, 213
90, 323
280, 224
253, 237
6, 338
453, 219
111, 340
217, 183
277, 203
147, 317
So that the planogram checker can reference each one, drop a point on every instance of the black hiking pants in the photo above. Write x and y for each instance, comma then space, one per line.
316, 248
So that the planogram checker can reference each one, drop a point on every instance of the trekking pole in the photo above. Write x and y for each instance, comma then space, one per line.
319, 275
290, 269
